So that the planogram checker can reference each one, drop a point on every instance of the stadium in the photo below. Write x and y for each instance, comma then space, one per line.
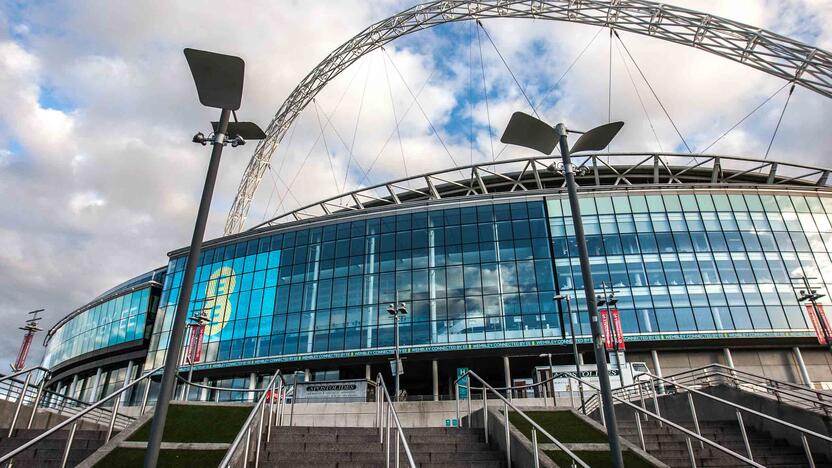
702, 261
699, 261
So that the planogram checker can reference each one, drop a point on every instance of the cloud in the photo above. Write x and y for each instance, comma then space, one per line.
103, 181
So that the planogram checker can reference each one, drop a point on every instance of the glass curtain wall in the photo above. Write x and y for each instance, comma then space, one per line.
704, 262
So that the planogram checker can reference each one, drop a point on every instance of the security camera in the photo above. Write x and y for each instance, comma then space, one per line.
200, 138
237, 141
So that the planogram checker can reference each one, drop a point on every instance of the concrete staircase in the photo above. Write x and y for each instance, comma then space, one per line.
359, 447
49, 452
669, 446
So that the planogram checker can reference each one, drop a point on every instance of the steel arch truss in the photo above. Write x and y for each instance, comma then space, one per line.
596, 172
771, 53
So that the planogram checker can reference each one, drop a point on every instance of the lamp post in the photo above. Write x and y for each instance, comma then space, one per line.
575, 354
610, 300
527, 131
551, 374
396, 312
31, 327
219, 84
196, 323
812, 295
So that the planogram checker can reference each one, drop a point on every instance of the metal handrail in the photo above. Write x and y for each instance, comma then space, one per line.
508, 404
657, 415
74, 421
814, 398
275, 386
738, 408
383, 423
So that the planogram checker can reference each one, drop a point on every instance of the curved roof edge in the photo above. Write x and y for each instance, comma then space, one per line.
539, 173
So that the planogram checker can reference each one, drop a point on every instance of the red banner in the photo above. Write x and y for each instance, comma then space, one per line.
24, 351
616, 326
816, 318
195, 345
605, 330
611, 329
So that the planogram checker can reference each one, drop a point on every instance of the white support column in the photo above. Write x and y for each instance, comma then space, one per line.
507, 371
71, 392
368, 372
203, 392
729, 359
657, 368
435, 367
252, 384
307, 375
801, 366
96, 383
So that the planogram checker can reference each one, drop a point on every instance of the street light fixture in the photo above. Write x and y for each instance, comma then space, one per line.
31, 327
527, 131
219, 84
575, 354
811, 295
396, 312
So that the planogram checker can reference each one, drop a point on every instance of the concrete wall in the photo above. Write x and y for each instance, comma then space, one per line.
775, 363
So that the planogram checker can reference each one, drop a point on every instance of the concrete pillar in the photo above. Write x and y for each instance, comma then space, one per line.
307, 375
71, 392
96, 383
128, 377
435, 367
203, 392
252, 384
368, 372
657, 368
801, 366
507, 372
729, 359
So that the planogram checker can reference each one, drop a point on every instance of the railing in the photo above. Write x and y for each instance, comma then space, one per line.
576, 461
784, 392
642, 411
384, 419
238, 453
39, 398
73, 420
654, 386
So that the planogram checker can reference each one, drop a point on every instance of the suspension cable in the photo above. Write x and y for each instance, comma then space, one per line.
355, 129
395, 119
516, 81
609, 90
329, 156
393, 132
760, 105
656, 96
311, 149
419, 106
782, 113
485, 97
640, 100
562, 76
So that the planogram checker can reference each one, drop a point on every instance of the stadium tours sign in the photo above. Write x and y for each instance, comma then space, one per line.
334, 391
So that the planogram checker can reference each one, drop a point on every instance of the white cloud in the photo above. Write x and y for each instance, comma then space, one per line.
104, 181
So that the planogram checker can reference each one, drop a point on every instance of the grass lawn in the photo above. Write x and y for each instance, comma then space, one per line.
597, 459
129, 458
199, 423
563, 425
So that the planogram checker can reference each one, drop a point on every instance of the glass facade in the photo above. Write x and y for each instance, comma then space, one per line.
469, 274
114, 321
703, 262
684, 265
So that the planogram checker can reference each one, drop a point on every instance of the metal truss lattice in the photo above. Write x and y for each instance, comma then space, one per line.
763, 50
599, 172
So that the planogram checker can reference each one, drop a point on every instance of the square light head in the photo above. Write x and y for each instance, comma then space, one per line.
598, 138
530, 132
245, 130
218, 78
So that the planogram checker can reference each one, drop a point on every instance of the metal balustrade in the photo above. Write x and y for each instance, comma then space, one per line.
73, 421
250, 438
384, 419
486, 388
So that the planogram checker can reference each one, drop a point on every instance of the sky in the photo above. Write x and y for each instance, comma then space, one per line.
99, 179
